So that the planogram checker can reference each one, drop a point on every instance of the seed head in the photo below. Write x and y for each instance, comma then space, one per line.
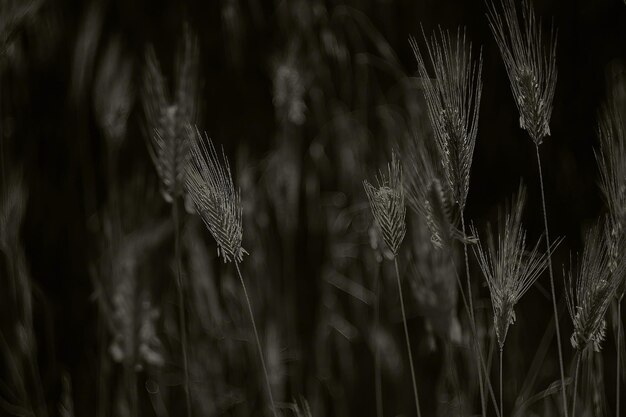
509, 269
387, 205
428, 194
530, 63
168, 117
612, 163
590, 293
453, 100
210, 184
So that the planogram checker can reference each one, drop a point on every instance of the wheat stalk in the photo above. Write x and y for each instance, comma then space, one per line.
168, 115
509, 269
612, 164
589, 294
387, 204
611, 159
428, 194
167, 118
210, 184
529, 62
453, 102
531, 68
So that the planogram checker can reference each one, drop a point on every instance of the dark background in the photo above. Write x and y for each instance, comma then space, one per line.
50, 132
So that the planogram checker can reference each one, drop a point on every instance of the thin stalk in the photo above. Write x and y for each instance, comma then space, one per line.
483, 404
617, 366
406, 336
555, 311
258, 341
578, 355
181, 305
501, 402
377, 373
492, 395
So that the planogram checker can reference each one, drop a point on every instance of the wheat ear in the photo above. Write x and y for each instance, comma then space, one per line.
531, 67
453, 102
210, 184
387, 203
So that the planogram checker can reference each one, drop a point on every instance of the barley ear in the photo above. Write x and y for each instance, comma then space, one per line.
386, 201
529, 56
210, 184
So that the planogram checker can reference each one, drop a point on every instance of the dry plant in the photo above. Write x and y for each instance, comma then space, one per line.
386, 201
590, 290
530, 60
509, 269
453, 102
428, 194
167, 119
168, 115
611, 159
210, 185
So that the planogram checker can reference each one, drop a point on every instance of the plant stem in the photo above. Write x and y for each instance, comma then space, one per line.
477, 348
258, 341
377, 374
475, 337
555, 311
618, 353
501, 402
181, 305
406, 336
578, 355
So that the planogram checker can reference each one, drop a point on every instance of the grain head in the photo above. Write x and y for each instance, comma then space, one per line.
508, 267
453, 101
210, 185
591, 285
386, 201
530, 59
168, 115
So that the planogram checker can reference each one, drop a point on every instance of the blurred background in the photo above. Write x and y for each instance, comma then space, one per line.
308, 98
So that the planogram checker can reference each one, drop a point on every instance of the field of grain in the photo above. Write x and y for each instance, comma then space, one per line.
312, 208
